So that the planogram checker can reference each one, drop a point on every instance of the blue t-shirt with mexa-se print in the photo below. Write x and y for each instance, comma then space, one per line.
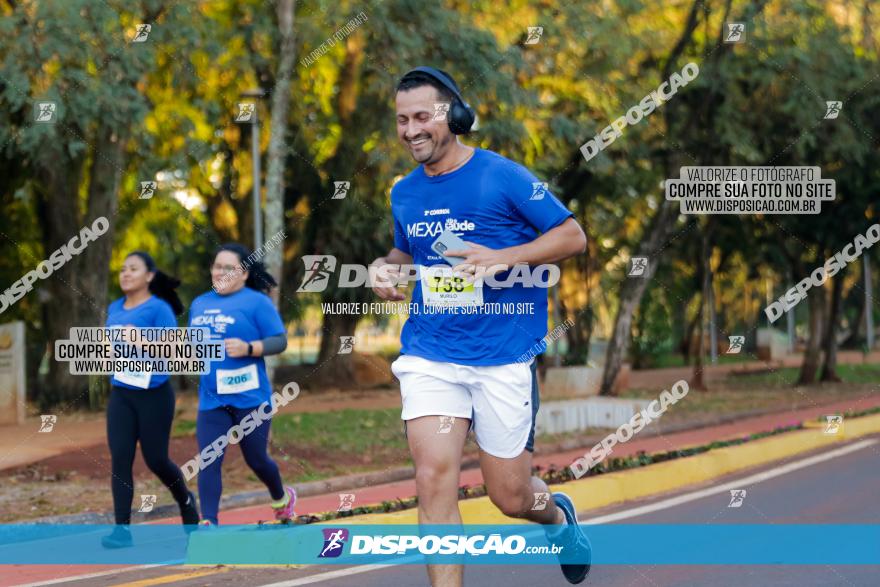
245, 314
491, 201
152, 313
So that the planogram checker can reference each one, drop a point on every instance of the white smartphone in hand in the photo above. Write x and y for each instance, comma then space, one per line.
449, 241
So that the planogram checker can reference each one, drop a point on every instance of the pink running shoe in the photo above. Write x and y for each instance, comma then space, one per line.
284, 513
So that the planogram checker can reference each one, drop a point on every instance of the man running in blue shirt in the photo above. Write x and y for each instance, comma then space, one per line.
462, 370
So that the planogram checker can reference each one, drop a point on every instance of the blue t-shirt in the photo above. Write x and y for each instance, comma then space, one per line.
491, 201
246, 314
153, 313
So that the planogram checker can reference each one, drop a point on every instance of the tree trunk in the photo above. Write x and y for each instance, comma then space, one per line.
77, 291
829, 369
60, 178
277, 141
578, 336
633, 288
631, 292
867, 31
36, 347
688, 341
332, 367
855, 299
639, 342
327, 230
224, 195
103, 195
679, 325
816, 300
698, 379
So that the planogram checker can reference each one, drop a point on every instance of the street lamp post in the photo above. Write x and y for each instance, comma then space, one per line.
256, 94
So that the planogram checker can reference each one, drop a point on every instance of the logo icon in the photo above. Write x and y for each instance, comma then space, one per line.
346, 345
638, 266
340, 189
44, 112
148, 188
735, 344
346, 501
147, 503
441, 111
141, 33
833, 424
539, 188
246, 112
334, 541
735, 32
534, 35
832, 109
446, 424
47, 422
737, 496
318, 271
541, 501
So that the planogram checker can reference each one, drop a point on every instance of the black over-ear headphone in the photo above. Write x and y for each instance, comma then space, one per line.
461, 116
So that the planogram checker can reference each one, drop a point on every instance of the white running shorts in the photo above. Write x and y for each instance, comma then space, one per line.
501, 401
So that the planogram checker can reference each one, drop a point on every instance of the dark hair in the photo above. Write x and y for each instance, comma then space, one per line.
258, 278
417, 79
162, 285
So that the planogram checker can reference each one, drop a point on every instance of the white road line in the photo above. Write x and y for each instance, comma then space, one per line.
737, 484
89, 576
630, 513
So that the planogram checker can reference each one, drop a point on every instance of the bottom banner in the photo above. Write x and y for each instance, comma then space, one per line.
612, 544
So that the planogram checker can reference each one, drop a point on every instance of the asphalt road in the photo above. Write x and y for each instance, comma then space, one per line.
839, 490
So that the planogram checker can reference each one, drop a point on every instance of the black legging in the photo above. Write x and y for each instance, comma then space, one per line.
145, 415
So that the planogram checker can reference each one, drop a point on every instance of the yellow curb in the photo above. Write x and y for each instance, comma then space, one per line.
612, 488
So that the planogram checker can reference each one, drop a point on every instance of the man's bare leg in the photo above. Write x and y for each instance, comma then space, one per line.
513, 489
437, 458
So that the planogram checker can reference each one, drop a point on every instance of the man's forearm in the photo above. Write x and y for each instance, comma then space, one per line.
394, 257
557, 244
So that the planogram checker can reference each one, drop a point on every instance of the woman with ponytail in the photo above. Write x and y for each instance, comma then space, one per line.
141, 405
238, 311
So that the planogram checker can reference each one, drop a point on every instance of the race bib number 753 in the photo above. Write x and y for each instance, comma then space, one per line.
440, 287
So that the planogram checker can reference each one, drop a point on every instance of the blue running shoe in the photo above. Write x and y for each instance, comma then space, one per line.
577, 553
119, 538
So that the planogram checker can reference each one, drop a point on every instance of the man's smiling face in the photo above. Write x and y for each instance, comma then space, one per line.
426, 139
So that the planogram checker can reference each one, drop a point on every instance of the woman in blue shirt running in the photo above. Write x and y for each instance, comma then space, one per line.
141, 405
238, 311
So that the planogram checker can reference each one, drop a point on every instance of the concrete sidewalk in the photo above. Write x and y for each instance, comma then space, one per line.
23, 444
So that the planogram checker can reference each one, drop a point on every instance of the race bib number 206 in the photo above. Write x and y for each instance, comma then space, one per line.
238, 380
441, 288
